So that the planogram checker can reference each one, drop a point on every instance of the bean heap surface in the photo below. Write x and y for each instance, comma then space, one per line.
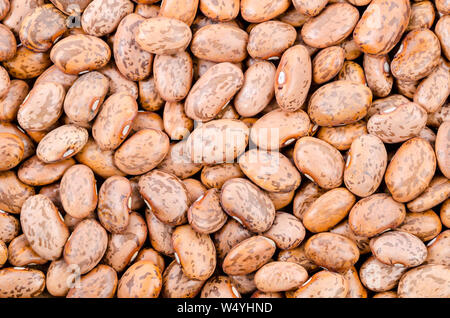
233, 148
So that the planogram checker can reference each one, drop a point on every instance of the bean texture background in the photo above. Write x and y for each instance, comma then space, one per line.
224, 148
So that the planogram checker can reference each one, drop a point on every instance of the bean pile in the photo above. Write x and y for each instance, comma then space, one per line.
232, 148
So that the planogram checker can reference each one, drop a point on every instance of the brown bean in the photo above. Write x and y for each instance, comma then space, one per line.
327, 64
342, 137
220, 43
101, 282
43, 227
79, 53
297, 255
377, 70
425, 281
20, 253
123, 248
27, 64
293, 17
113, 123
437, 192
286, 231
163, 36
248, 255
219, 287
433, 91
11, 101
3, 253
305, 197
195, 252
176, 123
184, 10
375, 214
379, 277
422, 15
250, 206
398, 247
118, 82
279, 128
441, 30
353, 72
257, 90
35, 172
356, 288
418, 55
9, 227
18, 9
85, 97
177, 285
308, 7
205, 215
268, 40
364, 169
378, 105
88, 233
102, 17
344, 229
328, 210
149, 254
213, 91
42, 27
160, 234
323, 284
339, 103
293, 78
13, 192
255, 11
319, 161
271, 171
228, 236
114, 204
280, 276
61, 143
61, 277
142, 152
173, 75
8, 41
410, 170
170, 208
425, 225
443, 149
11, 151
217, 141
42, 108
438, 252
178, 163
141, 280
100, 161
382, 25
332, 251
331, 26
21, 282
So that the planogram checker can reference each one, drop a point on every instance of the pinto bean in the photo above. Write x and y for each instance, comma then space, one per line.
418, 163
79, 53
293, 78
398, 247
43, 227
17, 282
163, 36
375, 214
199, 264
319, 161
332, 251
382, 25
